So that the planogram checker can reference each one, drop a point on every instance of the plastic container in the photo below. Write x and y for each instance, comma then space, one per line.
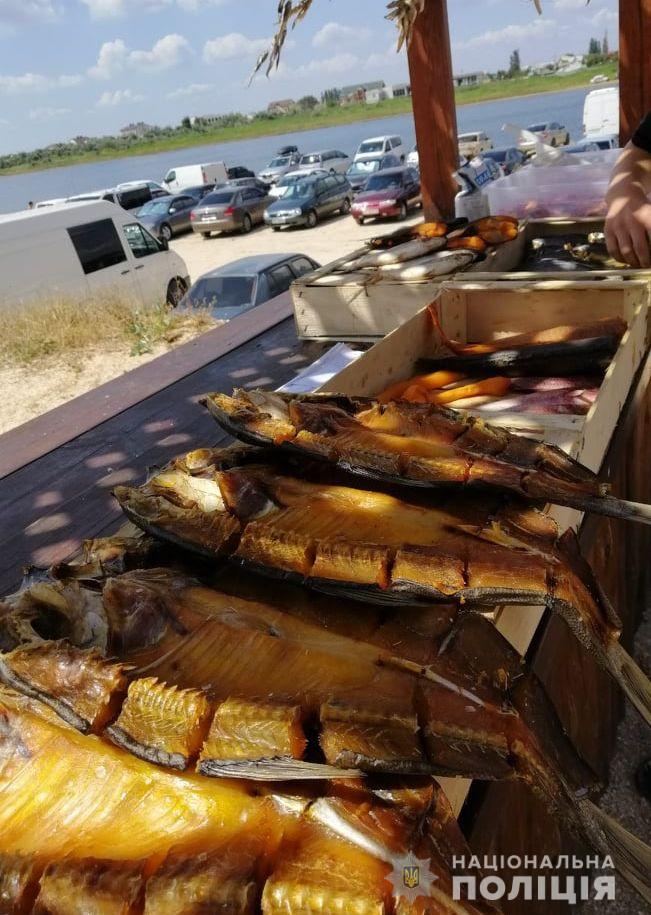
541, 200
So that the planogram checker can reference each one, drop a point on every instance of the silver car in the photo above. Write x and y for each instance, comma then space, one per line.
167, 216
277, 168
230, 209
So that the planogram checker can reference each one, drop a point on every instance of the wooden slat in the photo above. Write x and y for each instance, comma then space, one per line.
37, 437
634, 70
435, 117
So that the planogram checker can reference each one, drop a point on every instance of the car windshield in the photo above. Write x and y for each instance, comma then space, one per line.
222, 197
364, 168
154, 207
383, 182
280, 162
537, 128
299, 189
371, 146
468, 138
221, 292
312, 159
497, 155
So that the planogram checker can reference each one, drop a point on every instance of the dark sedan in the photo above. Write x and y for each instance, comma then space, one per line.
306, 201
229, 209
199, 190
248, 182
239, 171
509, 159
237, 287
362, 169
167, 216
389, 193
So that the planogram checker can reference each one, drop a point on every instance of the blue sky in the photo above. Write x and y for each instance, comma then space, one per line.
90, 66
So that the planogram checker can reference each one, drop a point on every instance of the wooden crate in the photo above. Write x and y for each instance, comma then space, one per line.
474, 314
354, 306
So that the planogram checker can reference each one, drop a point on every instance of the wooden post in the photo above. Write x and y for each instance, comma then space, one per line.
435, 117
634, 64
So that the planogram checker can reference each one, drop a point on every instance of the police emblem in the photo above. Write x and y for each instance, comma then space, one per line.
410, 877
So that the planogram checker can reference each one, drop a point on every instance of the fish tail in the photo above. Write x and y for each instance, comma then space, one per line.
633, 681
631, 856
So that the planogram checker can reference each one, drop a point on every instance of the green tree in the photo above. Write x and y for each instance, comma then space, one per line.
594, 47
514, 64
307, 103
331, 97
185, 123
605, 46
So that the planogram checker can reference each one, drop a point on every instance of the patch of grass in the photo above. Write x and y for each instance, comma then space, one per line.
67, 329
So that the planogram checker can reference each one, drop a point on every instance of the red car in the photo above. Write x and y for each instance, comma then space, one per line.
392, 192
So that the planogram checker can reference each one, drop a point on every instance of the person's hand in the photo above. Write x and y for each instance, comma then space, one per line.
628, 228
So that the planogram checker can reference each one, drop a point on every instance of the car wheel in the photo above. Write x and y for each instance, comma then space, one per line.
360, 221
166, 232
553, 143
332, 171
403, 211
205, 234
276, 228
567, 139
175, 292
247, 225
345, 207
312, 219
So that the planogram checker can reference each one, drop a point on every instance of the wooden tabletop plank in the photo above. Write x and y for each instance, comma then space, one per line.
65, 423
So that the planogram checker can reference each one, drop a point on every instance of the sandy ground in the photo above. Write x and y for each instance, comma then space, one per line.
331, 239
41, 386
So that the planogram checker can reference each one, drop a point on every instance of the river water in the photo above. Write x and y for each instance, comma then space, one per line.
17, 190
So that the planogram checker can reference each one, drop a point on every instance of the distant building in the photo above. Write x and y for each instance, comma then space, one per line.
199, 120
373, 96
80, 141
401, 90
359, 92
284, 106
464, 80
139, 129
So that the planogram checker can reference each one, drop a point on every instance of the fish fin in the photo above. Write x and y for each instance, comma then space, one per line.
632, 679
631, 856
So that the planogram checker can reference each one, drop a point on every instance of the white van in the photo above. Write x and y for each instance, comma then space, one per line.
601, 112
83, 250
190, 175
474, 144
376, 147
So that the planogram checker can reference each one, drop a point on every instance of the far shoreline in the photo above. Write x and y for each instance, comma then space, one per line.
361, 117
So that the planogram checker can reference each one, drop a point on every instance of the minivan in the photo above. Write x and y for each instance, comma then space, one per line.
379, 146
601, 112
332, 160
472, 144
177, 179
85, 250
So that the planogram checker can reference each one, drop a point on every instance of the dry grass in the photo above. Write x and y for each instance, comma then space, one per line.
61, 328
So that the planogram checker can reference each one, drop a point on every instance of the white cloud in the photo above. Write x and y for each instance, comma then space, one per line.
537, 28
339, 63
189, 91
119, 97
604, 18
334, 33
570, 4
113, 9
36, 82
18, 11
228, 47
115, 56
47, 114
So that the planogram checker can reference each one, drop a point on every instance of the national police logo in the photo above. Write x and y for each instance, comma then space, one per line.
410, 877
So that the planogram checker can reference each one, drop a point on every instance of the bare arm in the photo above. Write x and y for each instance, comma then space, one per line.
628, 223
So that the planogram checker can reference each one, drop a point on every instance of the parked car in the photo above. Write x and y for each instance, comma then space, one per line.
593, 144
248, 182
309, 199
278, 167
167, 216
601, 112
199, 190
379, 146
241, 285
130, 196
389, 193
204, 173
288, 151
472, 144
412, 159
362, 169
332, 160
239, 171
155, 189
229, 209
599, 78
550, 132
278, 189
509, 159
85, 250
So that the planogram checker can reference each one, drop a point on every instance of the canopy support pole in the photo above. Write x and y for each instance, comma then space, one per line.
435, 117
634, 64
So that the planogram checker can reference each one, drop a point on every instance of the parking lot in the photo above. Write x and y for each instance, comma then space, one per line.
332, 238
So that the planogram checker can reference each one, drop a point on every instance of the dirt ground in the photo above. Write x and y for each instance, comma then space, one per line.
46, 384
